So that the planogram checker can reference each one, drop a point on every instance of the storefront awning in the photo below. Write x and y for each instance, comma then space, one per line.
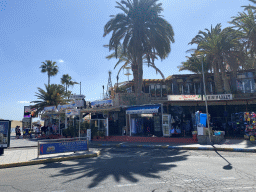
147, 109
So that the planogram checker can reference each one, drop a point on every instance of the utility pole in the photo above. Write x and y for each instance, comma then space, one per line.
206, 105
109, 86
80, 87
117, 78
103, 91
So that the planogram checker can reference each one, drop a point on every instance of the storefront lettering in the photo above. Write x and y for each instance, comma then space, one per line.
183, 97
219, 97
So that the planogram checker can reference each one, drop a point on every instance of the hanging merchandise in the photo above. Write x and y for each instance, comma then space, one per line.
250, 131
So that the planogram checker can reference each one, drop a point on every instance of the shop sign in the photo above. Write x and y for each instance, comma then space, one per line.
184, 97
62, 147
50, 108
102, 103
77, 97
72, 112
29, 112
219, 97
62, 107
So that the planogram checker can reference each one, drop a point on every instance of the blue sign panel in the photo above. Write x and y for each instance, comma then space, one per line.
62, 147
4, 133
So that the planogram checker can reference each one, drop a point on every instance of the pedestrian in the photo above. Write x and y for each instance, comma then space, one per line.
18, 132
37, 131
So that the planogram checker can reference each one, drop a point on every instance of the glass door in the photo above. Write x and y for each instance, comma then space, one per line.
166, 125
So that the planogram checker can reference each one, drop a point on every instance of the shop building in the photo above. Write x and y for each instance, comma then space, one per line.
183, 95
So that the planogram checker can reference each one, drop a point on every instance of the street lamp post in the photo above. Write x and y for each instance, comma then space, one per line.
103, 91
206, 105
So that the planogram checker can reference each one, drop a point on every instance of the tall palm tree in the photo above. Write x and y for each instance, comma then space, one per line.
127, 61
218, 46
67, 81
53, 95
50, 68
245, 22
141, 30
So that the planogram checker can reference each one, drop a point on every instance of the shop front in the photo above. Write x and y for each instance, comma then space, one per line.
227, 114
102, 120
145, 120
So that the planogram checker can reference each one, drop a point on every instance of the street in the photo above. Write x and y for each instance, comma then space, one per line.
133, 169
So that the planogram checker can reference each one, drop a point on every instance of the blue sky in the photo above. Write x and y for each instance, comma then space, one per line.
70, 32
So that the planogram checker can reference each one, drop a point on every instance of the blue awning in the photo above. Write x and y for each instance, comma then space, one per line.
147, 109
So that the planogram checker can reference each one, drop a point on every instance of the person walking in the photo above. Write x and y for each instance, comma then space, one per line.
18, 132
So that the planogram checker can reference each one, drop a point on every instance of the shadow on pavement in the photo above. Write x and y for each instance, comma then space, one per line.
226, 167
241, 141
119, 164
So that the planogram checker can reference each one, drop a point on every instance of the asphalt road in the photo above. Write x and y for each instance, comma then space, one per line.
134, 169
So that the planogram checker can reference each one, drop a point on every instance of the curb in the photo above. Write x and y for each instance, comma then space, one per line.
22, 147
50, 160
175, 147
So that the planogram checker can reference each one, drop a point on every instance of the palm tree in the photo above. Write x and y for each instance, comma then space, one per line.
194, 64
53, 95
245, 22
219, 46
127, 60
246, 7
141, 30
50, 68
67, 81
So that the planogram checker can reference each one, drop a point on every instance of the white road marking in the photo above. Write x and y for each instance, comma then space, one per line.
225, 178
126, 185
156, 183
238, 188
98, 187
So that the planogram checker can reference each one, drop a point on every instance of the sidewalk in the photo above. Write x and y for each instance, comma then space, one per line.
236, 145
24, 152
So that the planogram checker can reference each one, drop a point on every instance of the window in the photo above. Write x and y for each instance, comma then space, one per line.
188, 89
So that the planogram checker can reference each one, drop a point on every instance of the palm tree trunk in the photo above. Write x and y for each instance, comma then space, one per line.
48, 80
140, 79
224, 78
233, 75
135, 76
217, 79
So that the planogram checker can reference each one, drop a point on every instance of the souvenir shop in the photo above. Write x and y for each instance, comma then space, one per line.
244, 124
145, 120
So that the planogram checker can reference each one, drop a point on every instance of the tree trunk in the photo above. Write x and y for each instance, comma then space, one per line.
217, 79
224, 78
135, 76
233, 74
48, 80
140, 80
